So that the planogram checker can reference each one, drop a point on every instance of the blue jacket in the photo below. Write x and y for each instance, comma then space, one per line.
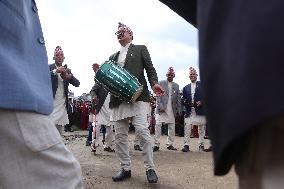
24, 75
187, 98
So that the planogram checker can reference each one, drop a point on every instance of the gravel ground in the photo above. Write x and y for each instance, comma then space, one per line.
175, 169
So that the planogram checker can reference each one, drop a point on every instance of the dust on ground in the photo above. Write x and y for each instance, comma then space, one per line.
175, 169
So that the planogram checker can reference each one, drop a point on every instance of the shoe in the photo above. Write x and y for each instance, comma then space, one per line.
171, 148
185, 148
152, 176
137, 147
208, 149
88, 143
121, 175
70, 130
201, 147
156, 148
93, 148
108, 149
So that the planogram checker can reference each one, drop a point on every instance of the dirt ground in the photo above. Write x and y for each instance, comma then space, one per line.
175, 169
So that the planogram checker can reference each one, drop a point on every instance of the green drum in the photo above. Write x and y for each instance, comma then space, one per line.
118, 81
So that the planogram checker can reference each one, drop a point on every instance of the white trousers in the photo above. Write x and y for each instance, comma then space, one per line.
171, 134
136, 141
109, 139
143, 135
33, 154
187, 132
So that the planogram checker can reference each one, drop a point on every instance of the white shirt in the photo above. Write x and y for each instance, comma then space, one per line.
193, 87
122, 55
103, 117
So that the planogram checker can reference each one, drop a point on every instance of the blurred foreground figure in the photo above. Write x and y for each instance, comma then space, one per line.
33, 154
242, 71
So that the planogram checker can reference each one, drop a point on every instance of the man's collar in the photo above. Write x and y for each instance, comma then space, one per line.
126, 46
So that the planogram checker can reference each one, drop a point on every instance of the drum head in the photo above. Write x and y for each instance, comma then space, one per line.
137, 94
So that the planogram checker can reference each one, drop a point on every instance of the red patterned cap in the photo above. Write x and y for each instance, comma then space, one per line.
58, 50
171, 71
192, 71
123, 27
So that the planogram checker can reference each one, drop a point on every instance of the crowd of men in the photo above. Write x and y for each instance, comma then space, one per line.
241, 71
113, 116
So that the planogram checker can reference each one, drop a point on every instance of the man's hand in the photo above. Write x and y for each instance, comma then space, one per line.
61, 69
162, 110
95, 100
95, 67
158, 90
66, 76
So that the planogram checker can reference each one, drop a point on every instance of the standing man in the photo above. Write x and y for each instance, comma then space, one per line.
241, 68
61, 77
135, 59
101, 98
194, 113
168, 107
33, 154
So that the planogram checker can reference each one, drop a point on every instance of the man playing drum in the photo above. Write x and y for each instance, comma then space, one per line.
133, 58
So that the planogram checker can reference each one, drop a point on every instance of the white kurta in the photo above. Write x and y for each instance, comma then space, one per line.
195, 119
59, 114
168, 115
127, 110
103, 117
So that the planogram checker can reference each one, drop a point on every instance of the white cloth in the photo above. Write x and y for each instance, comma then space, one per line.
122, 55
97, 137
168, 115
168, 118
91, 117
33, 154
143, 135
187, 132
103, 117
195, 119
171, 134
59, 114
128, 110
193, 86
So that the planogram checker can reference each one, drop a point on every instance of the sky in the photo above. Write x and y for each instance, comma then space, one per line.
85, 31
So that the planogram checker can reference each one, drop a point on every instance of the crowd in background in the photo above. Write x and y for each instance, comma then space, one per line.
79, 111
